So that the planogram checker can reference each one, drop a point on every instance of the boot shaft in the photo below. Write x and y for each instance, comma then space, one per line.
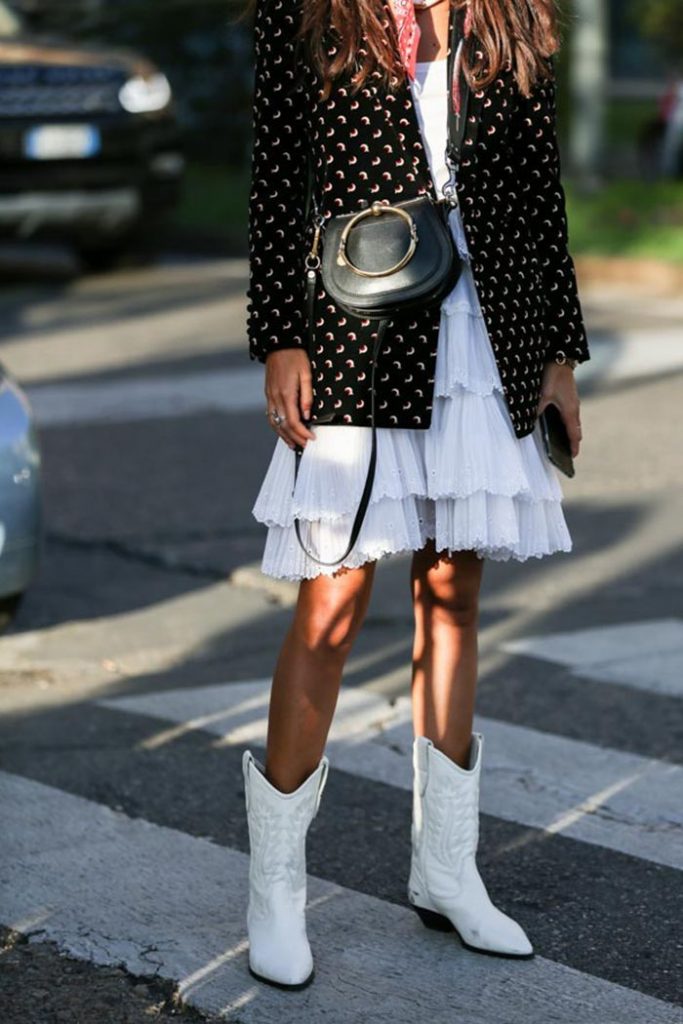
445, 802
278, 824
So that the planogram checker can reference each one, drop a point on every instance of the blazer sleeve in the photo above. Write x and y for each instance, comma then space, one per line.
539, 167
275, 293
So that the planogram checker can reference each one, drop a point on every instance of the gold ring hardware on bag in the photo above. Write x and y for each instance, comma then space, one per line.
376, 210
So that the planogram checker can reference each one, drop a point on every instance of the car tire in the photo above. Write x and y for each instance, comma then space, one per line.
9, 606
136, 247
100, 258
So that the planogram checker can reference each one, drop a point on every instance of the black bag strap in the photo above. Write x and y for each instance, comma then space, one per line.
370, 477
457, 122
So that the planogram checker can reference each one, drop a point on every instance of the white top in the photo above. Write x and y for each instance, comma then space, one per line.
430, 96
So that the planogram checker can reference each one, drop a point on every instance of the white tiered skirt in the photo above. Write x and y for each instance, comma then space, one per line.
467, 481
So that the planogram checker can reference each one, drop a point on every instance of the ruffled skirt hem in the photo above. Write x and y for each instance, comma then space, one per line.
493, 526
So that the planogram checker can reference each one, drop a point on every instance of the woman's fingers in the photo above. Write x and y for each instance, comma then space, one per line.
295, 430
291, 429
569, 411
277, 401
559, 389
543, 403
573, 424
306, 395
287, 388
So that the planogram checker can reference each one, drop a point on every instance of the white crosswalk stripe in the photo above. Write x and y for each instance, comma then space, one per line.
159, 901
607, 797
631, 355
641, 655
132, 400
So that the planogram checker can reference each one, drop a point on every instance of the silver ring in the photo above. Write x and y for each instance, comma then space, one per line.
276, 418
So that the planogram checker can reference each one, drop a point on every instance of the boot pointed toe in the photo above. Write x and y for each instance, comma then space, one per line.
508, 939
514, 940
294, 969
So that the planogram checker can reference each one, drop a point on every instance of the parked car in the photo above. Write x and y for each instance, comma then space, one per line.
20, 496
89, 143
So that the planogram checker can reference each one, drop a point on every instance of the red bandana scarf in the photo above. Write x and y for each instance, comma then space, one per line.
408, 32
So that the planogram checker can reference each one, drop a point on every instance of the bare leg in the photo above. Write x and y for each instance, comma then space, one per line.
328, 615
446, 604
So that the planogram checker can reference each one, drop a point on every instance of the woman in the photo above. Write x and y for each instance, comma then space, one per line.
361, 86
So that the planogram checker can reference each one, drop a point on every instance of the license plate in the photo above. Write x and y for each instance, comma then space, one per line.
62, 142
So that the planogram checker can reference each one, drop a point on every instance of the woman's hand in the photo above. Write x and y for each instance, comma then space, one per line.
559, 388
289, 393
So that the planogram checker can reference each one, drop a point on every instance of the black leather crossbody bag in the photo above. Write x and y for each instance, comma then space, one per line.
383, 260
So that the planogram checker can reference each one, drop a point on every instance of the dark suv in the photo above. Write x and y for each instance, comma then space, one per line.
89, 145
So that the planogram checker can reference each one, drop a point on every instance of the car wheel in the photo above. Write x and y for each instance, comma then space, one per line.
136, 247
98, 258
104, 258
9, 607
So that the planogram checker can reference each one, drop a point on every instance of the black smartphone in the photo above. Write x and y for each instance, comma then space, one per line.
556, 440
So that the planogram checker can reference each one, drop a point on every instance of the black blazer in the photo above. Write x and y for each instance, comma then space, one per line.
512, 205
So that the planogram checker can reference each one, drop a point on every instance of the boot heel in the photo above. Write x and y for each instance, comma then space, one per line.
430, 919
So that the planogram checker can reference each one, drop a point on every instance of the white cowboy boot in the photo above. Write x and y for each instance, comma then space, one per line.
279, 952
445, 886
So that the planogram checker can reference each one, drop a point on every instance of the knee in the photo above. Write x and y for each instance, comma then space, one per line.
459, 610
454, 601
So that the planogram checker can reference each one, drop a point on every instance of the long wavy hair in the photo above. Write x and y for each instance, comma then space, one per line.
520, 35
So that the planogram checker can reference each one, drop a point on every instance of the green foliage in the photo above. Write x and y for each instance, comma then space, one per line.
662, 21
628, 218
215, 204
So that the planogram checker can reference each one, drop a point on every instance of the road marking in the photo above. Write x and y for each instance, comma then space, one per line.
241, 389
149, 398
613, 799
116, 890
632, 355
641, 655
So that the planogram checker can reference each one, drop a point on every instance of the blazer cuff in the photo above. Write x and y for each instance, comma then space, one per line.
572, 348
260, 348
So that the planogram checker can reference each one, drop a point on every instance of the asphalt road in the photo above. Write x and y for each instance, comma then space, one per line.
138, 666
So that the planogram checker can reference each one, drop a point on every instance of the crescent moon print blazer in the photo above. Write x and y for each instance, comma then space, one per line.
512, 205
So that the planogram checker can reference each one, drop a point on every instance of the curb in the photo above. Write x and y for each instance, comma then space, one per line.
643, 276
